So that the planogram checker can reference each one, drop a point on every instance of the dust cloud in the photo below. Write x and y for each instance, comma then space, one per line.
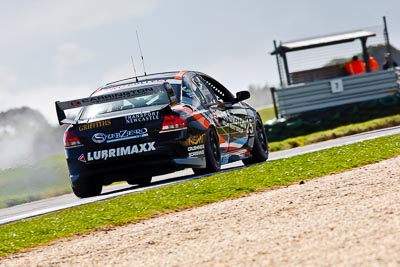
26, 137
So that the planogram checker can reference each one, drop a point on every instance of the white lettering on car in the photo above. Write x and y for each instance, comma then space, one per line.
114, 96
134, 149
151, 146
196, 150
119, 136
97, 155
196, 153
142, 117
120, 151
111, 153
142, 147
125, 150
104, 154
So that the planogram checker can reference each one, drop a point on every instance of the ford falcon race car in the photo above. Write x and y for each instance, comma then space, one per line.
133, 129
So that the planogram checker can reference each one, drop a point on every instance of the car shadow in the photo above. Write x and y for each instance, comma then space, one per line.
171, 180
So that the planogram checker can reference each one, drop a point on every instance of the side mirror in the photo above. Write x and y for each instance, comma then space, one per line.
242, 95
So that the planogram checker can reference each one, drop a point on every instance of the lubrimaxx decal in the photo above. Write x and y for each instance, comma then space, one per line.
142, 117
120, 151
119, 136
82, 158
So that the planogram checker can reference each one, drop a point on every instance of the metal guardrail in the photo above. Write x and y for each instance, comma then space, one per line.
301, 98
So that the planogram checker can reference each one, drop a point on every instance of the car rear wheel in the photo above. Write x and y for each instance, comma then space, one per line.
141, 181
87, 188
211, 152
259, 152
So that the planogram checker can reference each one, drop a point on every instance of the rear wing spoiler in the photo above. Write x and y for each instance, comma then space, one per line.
110, 97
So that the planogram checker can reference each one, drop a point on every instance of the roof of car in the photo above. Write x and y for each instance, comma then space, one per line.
144, 79
149, 77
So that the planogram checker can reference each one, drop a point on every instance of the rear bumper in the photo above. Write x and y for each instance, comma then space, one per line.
169, 154
123, 170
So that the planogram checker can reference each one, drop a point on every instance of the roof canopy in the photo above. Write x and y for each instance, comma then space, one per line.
322, 41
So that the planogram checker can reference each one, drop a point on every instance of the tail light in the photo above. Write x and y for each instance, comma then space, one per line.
173, 122
71, 139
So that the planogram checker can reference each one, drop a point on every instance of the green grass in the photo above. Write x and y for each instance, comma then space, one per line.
267, 113
46, 178
232, 184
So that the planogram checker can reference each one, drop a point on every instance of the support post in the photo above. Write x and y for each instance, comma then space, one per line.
273, 89
365, 53
288, 80
387, 42
278, 64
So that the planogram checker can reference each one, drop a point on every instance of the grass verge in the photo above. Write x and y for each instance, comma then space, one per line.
267, 113
46, 178
232, 184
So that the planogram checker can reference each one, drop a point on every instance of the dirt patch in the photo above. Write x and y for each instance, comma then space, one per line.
346, 219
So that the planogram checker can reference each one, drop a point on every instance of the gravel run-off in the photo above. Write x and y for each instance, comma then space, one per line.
346, 219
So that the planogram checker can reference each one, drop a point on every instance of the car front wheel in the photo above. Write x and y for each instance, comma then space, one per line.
259, 152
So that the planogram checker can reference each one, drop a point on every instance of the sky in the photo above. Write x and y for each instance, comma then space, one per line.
60, 50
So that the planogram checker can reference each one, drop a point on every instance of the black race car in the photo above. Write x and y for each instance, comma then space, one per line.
133, 129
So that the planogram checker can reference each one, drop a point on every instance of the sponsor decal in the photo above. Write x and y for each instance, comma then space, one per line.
94, 125
119, 136
237, 124
82, 158
76, 103
236, 128
142, 117
123, 86
251, 128
120, 151
195, 140
196, 150
237, 120
196, 153
111, 97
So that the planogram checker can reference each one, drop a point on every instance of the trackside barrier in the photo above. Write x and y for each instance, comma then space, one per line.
301, 98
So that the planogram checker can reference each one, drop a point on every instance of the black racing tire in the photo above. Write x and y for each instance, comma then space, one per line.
259, 152
87, 188
141, 181
212, 154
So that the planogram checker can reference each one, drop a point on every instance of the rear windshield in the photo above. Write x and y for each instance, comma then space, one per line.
158, 98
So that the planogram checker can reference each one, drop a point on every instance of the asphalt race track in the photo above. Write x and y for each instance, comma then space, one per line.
44, 206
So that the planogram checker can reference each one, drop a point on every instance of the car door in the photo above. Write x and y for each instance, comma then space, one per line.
209, 109
237, 116
240, 127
